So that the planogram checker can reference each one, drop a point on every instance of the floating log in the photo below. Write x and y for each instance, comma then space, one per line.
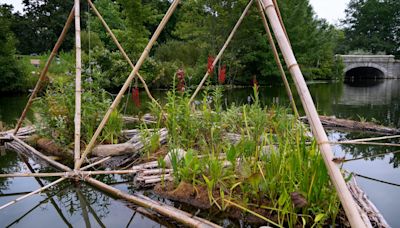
367, 209
48, 146
26, 147
126, 148
163, 209
331, 121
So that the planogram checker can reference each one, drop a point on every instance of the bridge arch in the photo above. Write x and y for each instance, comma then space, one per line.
365, 71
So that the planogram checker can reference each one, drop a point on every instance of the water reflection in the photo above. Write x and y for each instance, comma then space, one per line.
68, 204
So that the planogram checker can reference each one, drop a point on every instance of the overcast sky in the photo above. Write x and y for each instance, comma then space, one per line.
332, 10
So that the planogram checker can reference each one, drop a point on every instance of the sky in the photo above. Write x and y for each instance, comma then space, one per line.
332, 10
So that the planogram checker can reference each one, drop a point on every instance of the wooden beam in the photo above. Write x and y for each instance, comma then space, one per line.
78, 85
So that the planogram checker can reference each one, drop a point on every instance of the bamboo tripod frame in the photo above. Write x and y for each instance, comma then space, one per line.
272, 12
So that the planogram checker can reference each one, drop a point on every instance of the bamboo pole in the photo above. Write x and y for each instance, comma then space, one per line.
121, 49
162, 209
128, 81
140, 195
83, 205
221, 52
71, 173
374, 139
12, 175
45, 69
365, 143
277, 60
96, 163
278, 12
32, 193
52, 201
40, 155
318, 131
78, 86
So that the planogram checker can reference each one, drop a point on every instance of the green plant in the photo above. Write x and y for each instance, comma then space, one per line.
56, 113
272, 162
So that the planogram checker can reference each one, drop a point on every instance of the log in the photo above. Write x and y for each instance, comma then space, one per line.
331, 121
40, 155
163, 209
49, 147
125, 148
78, 85
366, 207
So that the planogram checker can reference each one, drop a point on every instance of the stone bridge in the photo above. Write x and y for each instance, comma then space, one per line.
370, 66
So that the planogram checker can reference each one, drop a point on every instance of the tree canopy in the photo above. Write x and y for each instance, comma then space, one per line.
373, 26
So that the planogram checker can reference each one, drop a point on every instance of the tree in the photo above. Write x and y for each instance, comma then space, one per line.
11, 74
39, 28
373, 26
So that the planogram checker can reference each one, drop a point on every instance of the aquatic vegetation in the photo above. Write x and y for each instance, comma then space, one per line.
259, 160
55, 113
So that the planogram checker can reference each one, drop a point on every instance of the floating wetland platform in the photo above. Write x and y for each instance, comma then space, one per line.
359, 211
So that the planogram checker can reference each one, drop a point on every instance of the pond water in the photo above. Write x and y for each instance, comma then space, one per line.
71, 205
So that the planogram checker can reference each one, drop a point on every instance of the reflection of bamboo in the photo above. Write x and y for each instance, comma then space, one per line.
13, 194
221, 52
93, 212
377, 180
32, 193
131, 219
43, 188
42, 185
121, 49
33, 208
84, 210
372, 156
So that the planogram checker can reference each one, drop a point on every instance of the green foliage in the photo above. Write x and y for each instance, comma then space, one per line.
373, 25
271, 160
12, 74
56, 111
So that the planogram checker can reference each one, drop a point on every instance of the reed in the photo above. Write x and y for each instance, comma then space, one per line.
273, 166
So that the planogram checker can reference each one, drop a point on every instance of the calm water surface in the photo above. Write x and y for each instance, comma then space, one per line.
71, 205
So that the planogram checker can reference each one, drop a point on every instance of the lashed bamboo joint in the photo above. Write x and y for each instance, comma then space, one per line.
150, 176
